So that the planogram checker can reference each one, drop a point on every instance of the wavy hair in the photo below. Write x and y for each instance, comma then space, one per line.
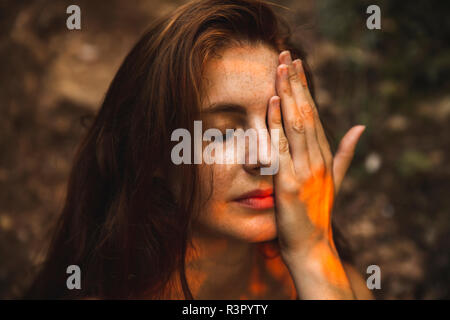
120, 222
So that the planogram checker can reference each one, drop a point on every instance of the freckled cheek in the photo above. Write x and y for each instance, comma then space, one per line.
218, 182
218, 179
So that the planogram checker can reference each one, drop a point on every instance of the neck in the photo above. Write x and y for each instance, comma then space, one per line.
225, 268
218, 267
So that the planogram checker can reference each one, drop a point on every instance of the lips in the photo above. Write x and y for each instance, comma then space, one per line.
257, 199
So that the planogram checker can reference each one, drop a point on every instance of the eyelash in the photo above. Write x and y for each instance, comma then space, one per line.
225, 136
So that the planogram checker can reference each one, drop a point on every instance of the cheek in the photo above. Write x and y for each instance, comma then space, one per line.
217, 181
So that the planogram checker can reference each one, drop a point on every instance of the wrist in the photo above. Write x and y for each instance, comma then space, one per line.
309, 257
318, 272
308, 251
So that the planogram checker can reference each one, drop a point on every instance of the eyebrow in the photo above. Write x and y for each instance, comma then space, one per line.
226, 107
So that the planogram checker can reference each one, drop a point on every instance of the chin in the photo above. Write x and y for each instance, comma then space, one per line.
243, 225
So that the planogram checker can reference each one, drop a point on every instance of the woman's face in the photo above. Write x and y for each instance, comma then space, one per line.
245, 78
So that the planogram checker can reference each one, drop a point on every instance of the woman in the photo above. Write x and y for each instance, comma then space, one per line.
140, 226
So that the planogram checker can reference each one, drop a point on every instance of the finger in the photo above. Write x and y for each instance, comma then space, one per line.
316, 160
293, 123
286, 185
296, 78
323, 141
344, 154
280, 145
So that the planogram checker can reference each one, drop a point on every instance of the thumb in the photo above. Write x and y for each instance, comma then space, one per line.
344, 154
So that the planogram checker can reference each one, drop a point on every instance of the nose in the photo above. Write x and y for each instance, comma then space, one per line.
261, 151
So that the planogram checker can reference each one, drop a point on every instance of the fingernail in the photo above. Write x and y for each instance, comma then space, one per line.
277, 100
273, 100
282, 70
287, 55
276, 104
289, 58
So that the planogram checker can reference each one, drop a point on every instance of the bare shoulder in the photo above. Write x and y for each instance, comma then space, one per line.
358, 283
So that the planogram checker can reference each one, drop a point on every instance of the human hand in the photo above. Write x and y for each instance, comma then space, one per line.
308, 176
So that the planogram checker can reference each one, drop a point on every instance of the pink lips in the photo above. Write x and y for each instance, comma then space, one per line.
257, 199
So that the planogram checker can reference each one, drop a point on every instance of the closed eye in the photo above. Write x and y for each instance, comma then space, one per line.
228, 135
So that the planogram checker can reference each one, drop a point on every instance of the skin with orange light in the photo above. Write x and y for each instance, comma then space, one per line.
269, 91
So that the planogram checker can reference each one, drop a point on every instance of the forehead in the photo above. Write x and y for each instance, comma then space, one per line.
244, 75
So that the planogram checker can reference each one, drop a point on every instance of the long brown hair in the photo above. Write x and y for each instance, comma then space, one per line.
121, 223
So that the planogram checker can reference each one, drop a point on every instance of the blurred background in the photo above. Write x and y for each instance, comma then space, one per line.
394, 206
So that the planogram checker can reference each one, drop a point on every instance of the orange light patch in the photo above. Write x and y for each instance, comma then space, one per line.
257, 286
318, 195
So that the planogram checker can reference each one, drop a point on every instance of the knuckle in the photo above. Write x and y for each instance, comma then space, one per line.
283, 144
276, 120
298, 126
290, 187
317, 170
295, 77
307, 111
306, 175
306, 108
286, 90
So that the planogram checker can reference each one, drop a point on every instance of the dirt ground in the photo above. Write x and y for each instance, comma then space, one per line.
394, 204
